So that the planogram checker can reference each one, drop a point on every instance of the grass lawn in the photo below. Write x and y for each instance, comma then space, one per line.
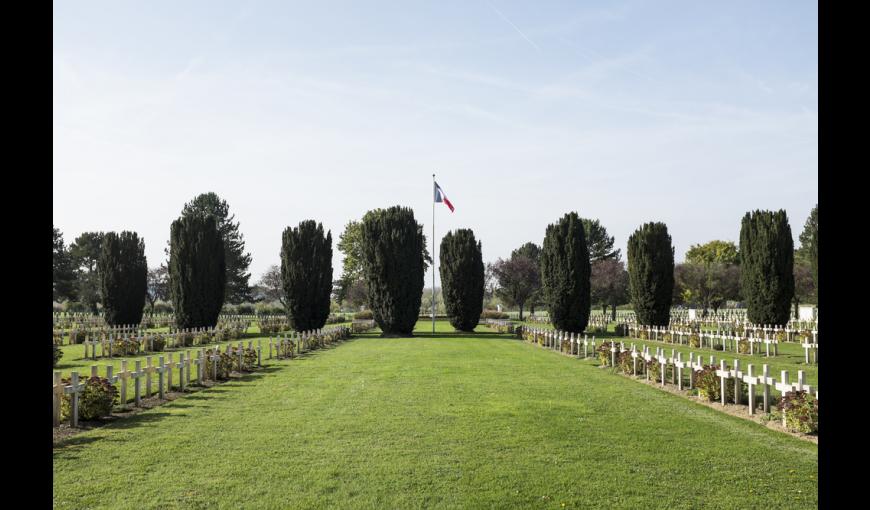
441, 421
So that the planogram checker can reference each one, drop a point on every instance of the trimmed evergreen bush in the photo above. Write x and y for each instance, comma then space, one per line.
393, 265
123, 274
565, 273
306, 274
651, 274
462, 279
766, 266
197, 272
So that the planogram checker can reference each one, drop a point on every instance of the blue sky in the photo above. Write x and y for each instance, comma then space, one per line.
691, 113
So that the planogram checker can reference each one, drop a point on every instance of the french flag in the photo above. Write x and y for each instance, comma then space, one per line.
441, 197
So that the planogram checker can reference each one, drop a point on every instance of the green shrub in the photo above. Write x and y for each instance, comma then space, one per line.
364, 315
625, 362
58, 354
249, 359
603, 351
654, 368
125, 347
709, 386
246, 309
157, 343
185, 339
801, 412
224, 365
95, 401
493, 314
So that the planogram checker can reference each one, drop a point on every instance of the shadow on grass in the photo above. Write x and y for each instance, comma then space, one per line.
441, 334
70, 442
147, 413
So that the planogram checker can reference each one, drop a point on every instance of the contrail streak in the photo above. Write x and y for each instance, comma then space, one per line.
515, 27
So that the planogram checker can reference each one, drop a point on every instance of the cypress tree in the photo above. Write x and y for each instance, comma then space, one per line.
197, 271
306, 274
123, 274
767, 265
651, 274
565, 272
236, 259
462, 279
393, 248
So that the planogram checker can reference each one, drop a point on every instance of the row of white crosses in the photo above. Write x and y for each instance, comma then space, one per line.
553, 339
727, 340
295, 343
734, 375
144, 341
202, 364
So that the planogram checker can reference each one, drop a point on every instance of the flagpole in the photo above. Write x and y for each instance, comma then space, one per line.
433, 254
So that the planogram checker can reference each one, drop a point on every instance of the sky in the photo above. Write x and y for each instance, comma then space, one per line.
689, 113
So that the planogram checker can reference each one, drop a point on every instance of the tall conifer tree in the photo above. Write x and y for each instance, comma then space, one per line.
565, 272
462, 278
197, 271
393, 249
123, 274
767, 266
651, 274
306, 274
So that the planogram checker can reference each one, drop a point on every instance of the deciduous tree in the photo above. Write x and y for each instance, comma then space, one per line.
518, 279
158, 285
609, 284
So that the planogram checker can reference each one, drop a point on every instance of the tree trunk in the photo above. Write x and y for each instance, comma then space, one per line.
521, 313
613, 312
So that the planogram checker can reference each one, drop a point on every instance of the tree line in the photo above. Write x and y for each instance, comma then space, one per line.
386, 257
